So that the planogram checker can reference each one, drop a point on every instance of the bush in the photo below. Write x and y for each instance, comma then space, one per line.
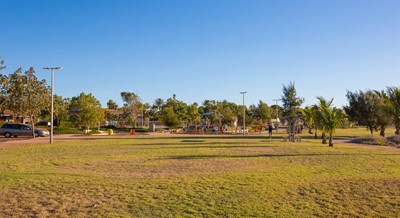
141, 130
394, 141
67, 131
108, 127
94, 131
379, 140
42, 123
370, 140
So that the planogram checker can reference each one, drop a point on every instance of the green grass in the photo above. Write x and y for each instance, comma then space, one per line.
251, 176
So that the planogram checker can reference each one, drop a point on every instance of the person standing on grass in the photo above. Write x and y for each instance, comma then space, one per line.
270, 130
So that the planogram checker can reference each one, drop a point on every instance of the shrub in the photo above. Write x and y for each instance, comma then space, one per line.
94, 131
108, 127
67, 131
141, 130
42, 123
370, 140
394, 141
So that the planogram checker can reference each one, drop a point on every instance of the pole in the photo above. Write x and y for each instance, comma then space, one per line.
276, 109
142, 115
244, 113
52, 106
52, 100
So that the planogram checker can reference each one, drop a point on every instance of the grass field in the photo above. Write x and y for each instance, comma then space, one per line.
199, 177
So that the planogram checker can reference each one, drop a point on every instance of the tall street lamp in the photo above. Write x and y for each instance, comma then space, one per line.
244, 113
52, 99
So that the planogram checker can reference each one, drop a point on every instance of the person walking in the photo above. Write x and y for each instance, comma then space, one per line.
270, 130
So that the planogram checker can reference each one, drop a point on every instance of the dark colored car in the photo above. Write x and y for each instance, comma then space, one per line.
19, 129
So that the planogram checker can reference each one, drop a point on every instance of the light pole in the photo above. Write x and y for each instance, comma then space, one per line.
52, 99
244, 113
276, 108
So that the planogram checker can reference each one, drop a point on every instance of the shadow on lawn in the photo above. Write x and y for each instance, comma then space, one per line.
189, 138
189, 157
211, 147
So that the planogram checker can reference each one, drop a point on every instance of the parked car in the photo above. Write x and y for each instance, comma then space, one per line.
19, 129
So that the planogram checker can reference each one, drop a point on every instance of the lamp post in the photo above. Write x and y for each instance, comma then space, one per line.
276, 108
52, 99
244, 113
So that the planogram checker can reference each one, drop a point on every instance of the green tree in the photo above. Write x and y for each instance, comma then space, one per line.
60, 112
169, 117
367, 109
158, 104
26, 95
384, 119
393, 102
291, 107
2, 66
179, 108
112, 105
319, 116
261, 114
131, 108
3, 92
85, 111
193, 115
228, 112
308, 116
3, 85
329, 118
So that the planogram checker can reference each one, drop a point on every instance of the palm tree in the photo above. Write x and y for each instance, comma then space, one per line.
158, 103
319, 115
393, 103
384, 116
329, 118
308, 113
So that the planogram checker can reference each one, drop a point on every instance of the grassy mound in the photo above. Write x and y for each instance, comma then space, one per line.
370, 140
378, 140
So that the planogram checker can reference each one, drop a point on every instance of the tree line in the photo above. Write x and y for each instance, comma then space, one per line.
25, 95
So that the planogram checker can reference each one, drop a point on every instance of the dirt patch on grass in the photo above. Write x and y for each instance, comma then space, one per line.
145, 168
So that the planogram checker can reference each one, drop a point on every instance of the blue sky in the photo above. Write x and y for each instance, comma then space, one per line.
205, 49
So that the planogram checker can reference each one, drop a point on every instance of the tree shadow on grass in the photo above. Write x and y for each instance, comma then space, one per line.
217, 147
189, 157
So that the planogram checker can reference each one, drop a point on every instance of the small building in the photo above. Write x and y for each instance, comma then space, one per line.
10, 117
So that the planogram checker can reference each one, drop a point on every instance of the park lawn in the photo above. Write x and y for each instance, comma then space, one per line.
202, 176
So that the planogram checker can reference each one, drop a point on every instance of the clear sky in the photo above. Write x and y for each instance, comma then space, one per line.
205, 49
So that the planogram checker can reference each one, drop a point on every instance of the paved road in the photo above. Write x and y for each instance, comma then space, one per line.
4, 139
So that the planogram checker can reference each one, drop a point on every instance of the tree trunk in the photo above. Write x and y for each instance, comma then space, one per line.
397, 130
316, 133
382, 133
58, 125
330, 139
33, 126
310, 130
323, 138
